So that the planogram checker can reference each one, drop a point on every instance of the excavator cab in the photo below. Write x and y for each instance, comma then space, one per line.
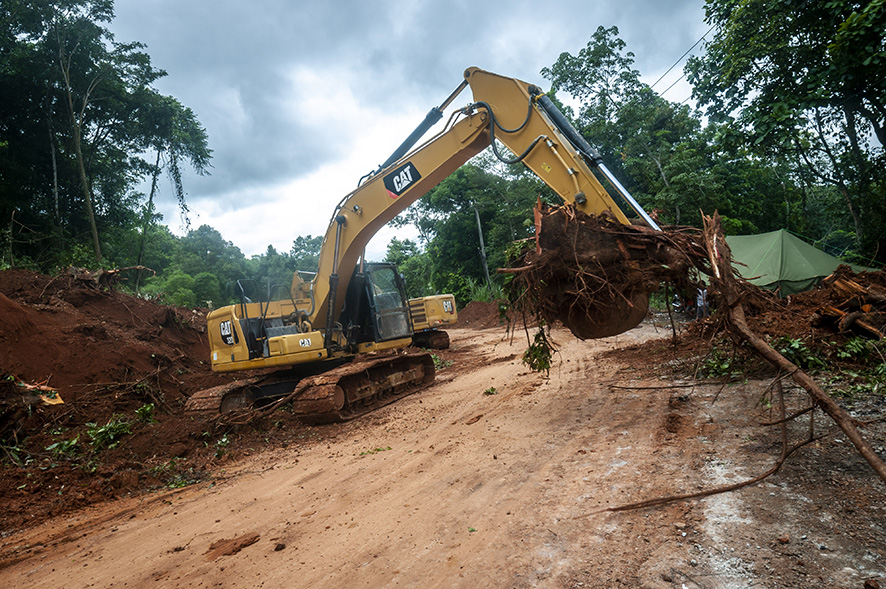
376, 308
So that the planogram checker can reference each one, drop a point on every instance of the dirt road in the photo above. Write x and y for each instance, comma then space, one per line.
495, 477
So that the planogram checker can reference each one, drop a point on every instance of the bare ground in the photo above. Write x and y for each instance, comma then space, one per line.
496, 477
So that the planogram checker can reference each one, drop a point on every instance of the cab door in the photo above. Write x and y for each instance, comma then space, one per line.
388, 303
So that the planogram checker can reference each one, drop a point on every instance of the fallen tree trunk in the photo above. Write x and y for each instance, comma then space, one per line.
595, 275
730, 291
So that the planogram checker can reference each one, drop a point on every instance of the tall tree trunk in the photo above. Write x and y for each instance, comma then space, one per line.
84, 183
838, 177
146, 221
76, 126
51, 133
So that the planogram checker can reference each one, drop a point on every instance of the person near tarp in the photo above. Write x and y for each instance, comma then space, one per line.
701, 303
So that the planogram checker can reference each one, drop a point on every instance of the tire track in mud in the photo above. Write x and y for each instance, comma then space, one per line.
425, 493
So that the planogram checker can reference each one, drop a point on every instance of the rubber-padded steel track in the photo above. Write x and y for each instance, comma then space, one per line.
357, 388
431, 340
339, 394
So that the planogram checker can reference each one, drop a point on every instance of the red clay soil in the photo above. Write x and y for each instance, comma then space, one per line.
107, 354
480, 315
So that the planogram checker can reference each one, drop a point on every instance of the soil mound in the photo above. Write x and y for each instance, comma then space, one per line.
122, 365
72, 337
480, 315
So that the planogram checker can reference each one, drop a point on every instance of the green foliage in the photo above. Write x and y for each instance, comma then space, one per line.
720, 363
491, 391
64, 448
456, 285
416, 272
517, 249
108, 435
14, 455
860, 384
446, 219
220, 446
400, 251
145, 413
82, 123
179, 281
101, 437
860, 349
207, 290
413, 264
798, 352
181, 479
802, 82
305, 253
485, 293
539, 355
440, 363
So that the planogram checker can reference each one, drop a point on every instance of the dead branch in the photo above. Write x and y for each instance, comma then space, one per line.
715, 491
730, 291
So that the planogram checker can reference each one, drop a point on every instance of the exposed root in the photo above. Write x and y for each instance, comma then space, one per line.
594, 274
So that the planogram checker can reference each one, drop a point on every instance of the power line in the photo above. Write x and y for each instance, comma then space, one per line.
672, 85
676, 63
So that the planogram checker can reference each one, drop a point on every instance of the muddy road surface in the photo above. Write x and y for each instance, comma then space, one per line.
498, 477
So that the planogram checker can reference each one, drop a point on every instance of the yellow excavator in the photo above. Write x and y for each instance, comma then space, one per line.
339, 340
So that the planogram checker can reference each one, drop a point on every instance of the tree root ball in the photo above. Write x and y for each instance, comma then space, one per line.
595, 275
618, 316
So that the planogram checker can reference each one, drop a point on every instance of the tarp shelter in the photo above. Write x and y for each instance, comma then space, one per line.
781, 261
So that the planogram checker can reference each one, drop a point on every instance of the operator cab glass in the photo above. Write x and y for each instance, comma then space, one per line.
389, 304
376, 309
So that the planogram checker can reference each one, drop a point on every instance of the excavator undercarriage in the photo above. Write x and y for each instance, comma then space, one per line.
341, 393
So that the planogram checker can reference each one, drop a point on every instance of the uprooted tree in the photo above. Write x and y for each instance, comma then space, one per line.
595, 275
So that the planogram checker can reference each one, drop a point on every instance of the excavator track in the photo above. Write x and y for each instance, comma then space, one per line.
431, 340
340, 394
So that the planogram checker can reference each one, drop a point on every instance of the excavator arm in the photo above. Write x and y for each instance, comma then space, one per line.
516, 114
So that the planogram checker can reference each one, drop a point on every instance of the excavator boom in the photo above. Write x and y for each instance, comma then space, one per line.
514, 113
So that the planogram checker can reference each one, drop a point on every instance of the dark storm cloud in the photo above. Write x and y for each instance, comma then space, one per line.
281, 86
228, 61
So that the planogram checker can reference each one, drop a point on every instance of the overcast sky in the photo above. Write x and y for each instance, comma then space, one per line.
301, 98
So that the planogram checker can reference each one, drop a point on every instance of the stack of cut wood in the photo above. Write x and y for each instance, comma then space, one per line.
857, 304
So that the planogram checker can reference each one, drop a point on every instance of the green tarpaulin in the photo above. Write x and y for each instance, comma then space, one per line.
781, 261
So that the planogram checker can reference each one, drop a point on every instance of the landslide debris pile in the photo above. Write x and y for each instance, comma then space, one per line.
123, 368
842, 307
595, 275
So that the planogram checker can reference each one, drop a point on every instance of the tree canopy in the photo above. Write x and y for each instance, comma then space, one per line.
805, 83
789, 135
77, 123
